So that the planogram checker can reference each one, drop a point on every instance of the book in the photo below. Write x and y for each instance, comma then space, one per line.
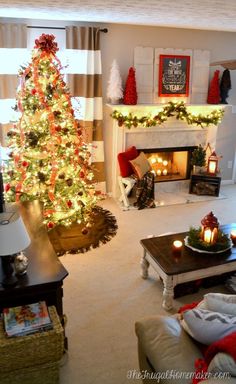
26, 319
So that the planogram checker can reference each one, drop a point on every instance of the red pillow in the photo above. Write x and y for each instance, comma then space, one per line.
123, 160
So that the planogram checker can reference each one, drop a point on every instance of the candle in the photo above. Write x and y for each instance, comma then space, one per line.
164, 172
158, 172
165, 163
233, 236
177, 247
207, 236
212, 167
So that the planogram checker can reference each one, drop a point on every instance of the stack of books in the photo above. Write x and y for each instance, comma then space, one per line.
26, 319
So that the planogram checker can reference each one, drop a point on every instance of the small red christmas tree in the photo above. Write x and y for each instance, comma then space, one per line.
130, 93
214, 89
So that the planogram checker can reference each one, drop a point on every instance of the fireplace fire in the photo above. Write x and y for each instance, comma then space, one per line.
170, 164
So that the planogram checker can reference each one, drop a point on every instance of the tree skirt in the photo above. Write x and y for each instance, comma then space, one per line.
77, 238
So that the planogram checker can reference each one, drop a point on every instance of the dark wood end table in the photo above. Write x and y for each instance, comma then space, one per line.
188, 266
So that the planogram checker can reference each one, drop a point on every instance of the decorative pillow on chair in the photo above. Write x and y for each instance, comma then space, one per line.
206, 326
140, 165
123, 159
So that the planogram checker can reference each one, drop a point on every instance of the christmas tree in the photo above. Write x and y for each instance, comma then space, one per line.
130, 93
49, 161
114, 89
214, 89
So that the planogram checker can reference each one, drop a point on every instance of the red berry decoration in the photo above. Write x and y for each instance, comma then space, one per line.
82, 174
7, 187
50, 224
69, 203
25, 163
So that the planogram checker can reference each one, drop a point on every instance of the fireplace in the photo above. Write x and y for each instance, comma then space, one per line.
170, 164
172, 136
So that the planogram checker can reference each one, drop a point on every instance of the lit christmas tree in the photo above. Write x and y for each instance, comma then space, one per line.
49, 161
114, 89
130, 93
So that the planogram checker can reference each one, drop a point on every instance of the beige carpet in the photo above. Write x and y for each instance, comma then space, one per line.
104, 294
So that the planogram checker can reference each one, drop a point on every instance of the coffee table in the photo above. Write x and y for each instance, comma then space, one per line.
189, 266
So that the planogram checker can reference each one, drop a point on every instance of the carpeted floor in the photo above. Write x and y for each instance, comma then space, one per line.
104, 294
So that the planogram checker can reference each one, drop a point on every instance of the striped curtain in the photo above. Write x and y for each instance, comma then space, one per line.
84, 74
11, 36
13, 44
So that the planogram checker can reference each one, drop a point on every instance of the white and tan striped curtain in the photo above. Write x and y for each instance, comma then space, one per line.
13, 44
85, 83
11, 36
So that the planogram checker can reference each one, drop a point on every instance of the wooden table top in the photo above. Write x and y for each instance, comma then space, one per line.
44, 266
160, 250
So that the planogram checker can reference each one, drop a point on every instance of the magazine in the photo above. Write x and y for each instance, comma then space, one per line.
26, 319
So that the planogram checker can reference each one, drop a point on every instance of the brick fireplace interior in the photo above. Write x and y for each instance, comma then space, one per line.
170, 164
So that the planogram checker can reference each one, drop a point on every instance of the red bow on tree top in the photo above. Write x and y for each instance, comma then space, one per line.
46, 43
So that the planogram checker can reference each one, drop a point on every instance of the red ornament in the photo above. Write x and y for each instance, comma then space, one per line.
7, 187
33, 91
25, 163
58, 128
84, 231
50, 224
82, 174
130, 93
69, 203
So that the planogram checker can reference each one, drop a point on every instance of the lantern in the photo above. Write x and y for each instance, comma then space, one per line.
212, 164
210, 226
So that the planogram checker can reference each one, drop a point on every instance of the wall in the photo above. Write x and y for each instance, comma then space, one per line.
119, 44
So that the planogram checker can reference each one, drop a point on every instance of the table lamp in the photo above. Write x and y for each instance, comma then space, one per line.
14, 238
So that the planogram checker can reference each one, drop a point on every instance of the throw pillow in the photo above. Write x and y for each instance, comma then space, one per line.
140, 165
219, 302
206, 326
222, 362
123, 159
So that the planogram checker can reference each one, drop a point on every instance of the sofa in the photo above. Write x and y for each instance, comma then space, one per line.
168, 354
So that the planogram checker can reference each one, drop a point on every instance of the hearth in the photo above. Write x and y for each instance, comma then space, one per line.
170, 164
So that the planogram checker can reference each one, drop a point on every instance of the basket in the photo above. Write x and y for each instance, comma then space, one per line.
40, 374
21, 352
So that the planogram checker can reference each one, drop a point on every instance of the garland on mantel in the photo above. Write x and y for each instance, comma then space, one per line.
178, 110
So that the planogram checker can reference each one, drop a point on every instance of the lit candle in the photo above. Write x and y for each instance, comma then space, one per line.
164, 172
165, 163
177, 247
233, 236
207, 236
158, 172
212, 167
159, 160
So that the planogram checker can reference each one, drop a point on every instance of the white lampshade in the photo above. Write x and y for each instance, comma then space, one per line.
14, 237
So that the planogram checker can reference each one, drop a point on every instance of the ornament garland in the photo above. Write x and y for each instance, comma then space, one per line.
179, 110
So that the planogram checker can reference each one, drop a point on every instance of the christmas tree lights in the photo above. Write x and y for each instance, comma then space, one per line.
49, 161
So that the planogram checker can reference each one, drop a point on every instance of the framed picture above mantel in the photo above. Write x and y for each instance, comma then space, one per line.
174, 76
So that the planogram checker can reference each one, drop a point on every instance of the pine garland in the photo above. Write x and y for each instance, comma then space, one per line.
194, 239
179, 110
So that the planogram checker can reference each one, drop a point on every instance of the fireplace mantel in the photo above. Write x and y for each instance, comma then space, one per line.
172, 133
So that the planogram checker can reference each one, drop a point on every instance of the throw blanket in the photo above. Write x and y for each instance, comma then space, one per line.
226, 345
145, 191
